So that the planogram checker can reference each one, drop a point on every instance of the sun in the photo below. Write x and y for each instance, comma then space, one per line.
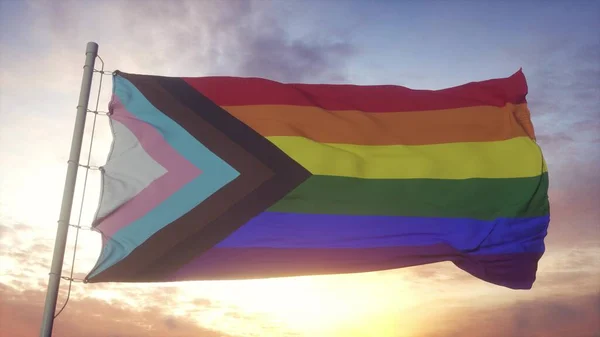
364, 304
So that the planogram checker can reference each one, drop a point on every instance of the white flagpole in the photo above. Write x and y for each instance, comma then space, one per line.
69, 190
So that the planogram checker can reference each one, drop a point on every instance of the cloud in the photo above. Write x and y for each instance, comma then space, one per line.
93, 317
564, 95
14, 231
590, 125
26, 254
565, 100
574, 193
202, 302
546, 317
177, 38
6, 232
554, 141
273, 57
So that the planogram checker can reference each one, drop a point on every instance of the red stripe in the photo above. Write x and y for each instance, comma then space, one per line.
236, 91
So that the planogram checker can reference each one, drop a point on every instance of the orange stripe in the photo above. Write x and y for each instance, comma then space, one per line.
473, 124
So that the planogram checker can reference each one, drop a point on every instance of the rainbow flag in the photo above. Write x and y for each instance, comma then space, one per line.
235, 178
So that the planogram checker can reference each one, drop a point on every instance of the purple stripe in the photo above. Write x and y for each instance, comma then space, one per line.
515, 271
293, 230
179, 172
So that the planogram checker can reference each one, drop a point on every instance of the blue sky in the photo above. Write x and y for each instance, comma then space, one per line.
419, 44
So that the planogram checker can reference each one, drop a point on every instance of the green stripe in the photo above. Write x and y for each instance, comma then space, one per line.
483, 199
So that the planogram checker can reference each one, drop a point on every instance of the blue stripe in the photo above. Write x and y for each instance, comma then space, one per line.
215, 174
293, 230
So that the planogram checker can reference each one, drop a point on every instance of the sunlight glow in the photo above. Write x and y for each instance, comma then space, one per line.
337, 305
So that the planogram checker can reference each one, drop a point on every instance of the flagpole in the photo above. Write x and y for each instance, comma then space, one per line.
69, 190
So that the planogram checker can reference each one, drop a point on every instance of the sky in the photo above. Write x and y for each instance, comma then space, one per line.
421, 45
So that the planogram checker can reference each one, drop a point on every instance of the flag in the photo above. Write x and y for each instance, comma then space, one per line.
213, 178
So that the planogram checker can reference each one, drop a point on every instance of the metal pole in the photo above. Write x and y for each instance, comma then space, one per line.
69, 190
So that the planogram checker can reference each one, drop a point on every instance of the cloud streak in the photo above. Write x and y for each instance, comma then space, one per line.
21, 312
552, 317
180, 38
567, 122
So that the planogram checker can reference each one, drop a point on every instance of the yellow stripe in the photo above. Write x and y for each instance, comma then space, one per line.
513, 158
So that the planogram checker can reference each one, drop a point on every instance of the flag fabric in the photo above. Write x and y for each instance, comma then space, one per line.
217, 178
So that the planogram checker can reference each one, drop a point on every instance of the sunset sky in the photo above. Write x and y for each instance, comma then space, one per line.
418, 44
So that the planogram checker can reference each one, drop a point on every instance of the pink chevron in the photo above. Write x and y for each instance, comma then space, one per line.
179, 172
